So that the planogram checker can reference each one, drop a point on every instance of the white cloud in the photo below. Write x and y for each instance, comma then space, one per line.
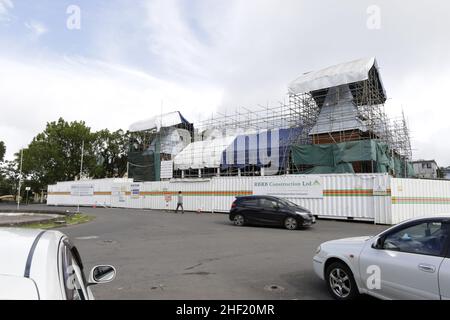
5, 7
103, 95
424, 99
253, 49
36, 28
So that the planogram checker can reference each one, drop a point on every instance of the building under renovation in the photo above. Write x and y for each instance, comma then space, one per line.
334, 122
328, 147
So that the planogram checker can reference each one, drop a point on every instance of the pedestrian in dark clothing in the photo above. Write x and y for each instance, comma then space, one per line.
180, 202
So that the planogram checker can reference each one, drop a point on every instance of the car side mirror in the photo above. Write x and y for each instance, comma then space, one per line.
102, 274
378, 244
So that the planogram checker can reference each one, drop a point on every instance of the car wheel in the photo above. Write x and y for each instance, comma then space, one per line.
291, 223
238, 220
340, 282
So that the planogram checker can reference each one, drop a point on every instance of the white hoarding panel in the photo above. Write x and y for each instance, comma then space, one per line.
135, 189
310, 186
337, 196
82, 190
412, 198
166, 169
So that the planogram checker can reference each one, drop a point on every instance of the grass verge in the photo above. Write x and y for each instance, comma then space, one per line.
62, 221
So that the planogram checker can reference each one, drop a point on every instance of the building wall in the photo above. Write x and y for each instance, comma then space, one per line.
447, 173
425, 169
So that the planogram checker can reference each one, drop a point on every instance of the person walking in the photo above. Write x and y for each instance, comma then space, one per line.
180, 202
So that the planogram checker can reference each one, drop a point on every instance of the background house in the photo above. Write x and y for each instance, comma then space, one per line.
425, 169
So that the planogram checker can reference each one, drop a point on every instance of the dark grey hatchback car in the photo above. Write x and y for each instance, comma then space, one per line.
270, 211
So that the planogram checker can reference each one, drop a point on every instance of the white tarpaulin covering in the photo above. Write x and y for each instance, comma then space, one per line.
173, 140
163, 120
340, 74
202, 154
338, 113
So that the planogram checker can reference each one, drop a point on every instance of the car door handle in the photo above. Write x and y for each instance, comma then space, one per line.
427, 268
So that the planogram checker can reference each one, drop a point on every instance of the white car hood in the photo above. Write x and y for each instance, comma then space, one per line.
349, 241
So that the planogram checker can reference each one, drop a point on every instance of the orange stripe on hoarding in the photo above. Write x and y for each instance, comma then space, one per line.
420, 200
329, 192
196, 193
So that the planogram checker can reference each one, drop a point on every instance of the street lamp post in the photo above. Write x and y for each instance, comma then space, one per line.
20, 180
81, 172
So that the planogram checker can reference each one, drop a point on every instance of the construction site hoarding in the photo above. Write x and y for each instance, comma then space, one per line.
310, 186
369, 197
344, 196
412, 198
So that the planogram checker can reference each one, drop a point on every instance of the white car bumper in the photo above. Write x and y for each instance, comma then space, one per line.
318, 265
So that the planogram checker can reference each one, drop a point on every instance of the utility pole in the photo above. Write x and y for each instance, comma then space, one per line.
82, 155
81, 172
26, 199
20, 180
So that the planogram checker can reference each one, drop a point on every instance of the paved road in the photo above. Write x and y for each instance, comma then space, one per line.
162, 255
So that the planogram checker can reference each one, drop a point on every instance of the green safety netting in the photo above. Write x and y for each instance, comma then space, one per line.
145, 165
337, 158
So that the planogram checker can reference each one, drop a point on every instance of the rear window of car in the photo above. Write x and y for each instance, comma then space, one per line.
252, 202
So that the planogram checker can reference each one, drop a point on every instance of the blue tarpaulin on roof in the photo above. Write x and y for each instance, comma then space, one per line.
260, 149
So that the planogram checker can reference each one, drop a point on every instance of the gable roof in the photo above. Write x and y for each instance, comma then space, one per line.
345, 73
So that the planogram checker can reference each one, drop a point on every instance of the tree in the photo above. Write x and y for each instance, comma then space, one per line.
9, 178
440, 172
55, 154
2, 150
110, 149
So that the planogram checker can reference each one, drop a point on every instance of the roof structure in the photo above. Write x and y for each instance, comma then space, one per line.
345, 73
160, 121
422, 161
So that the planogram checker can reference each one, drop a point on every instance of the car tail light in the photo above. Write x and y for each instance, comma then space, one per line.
233, 205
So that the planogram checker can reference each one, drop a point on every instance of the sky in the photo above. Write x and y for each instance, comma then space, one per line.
114, 62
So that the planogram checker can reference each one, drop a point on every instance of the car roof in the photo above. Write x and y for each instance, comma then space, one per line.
16, 245
257, 197
443, 216
33, 254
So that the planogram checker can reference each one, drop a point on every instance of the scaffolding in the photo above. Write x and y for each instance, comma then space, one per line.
339, 104
268, 117
400, 135
368, 98
301, 111
215, 135
154, 140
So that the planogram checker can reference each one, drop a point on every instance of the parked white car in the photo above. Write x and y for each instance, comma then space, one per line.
408, 261
43, 264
